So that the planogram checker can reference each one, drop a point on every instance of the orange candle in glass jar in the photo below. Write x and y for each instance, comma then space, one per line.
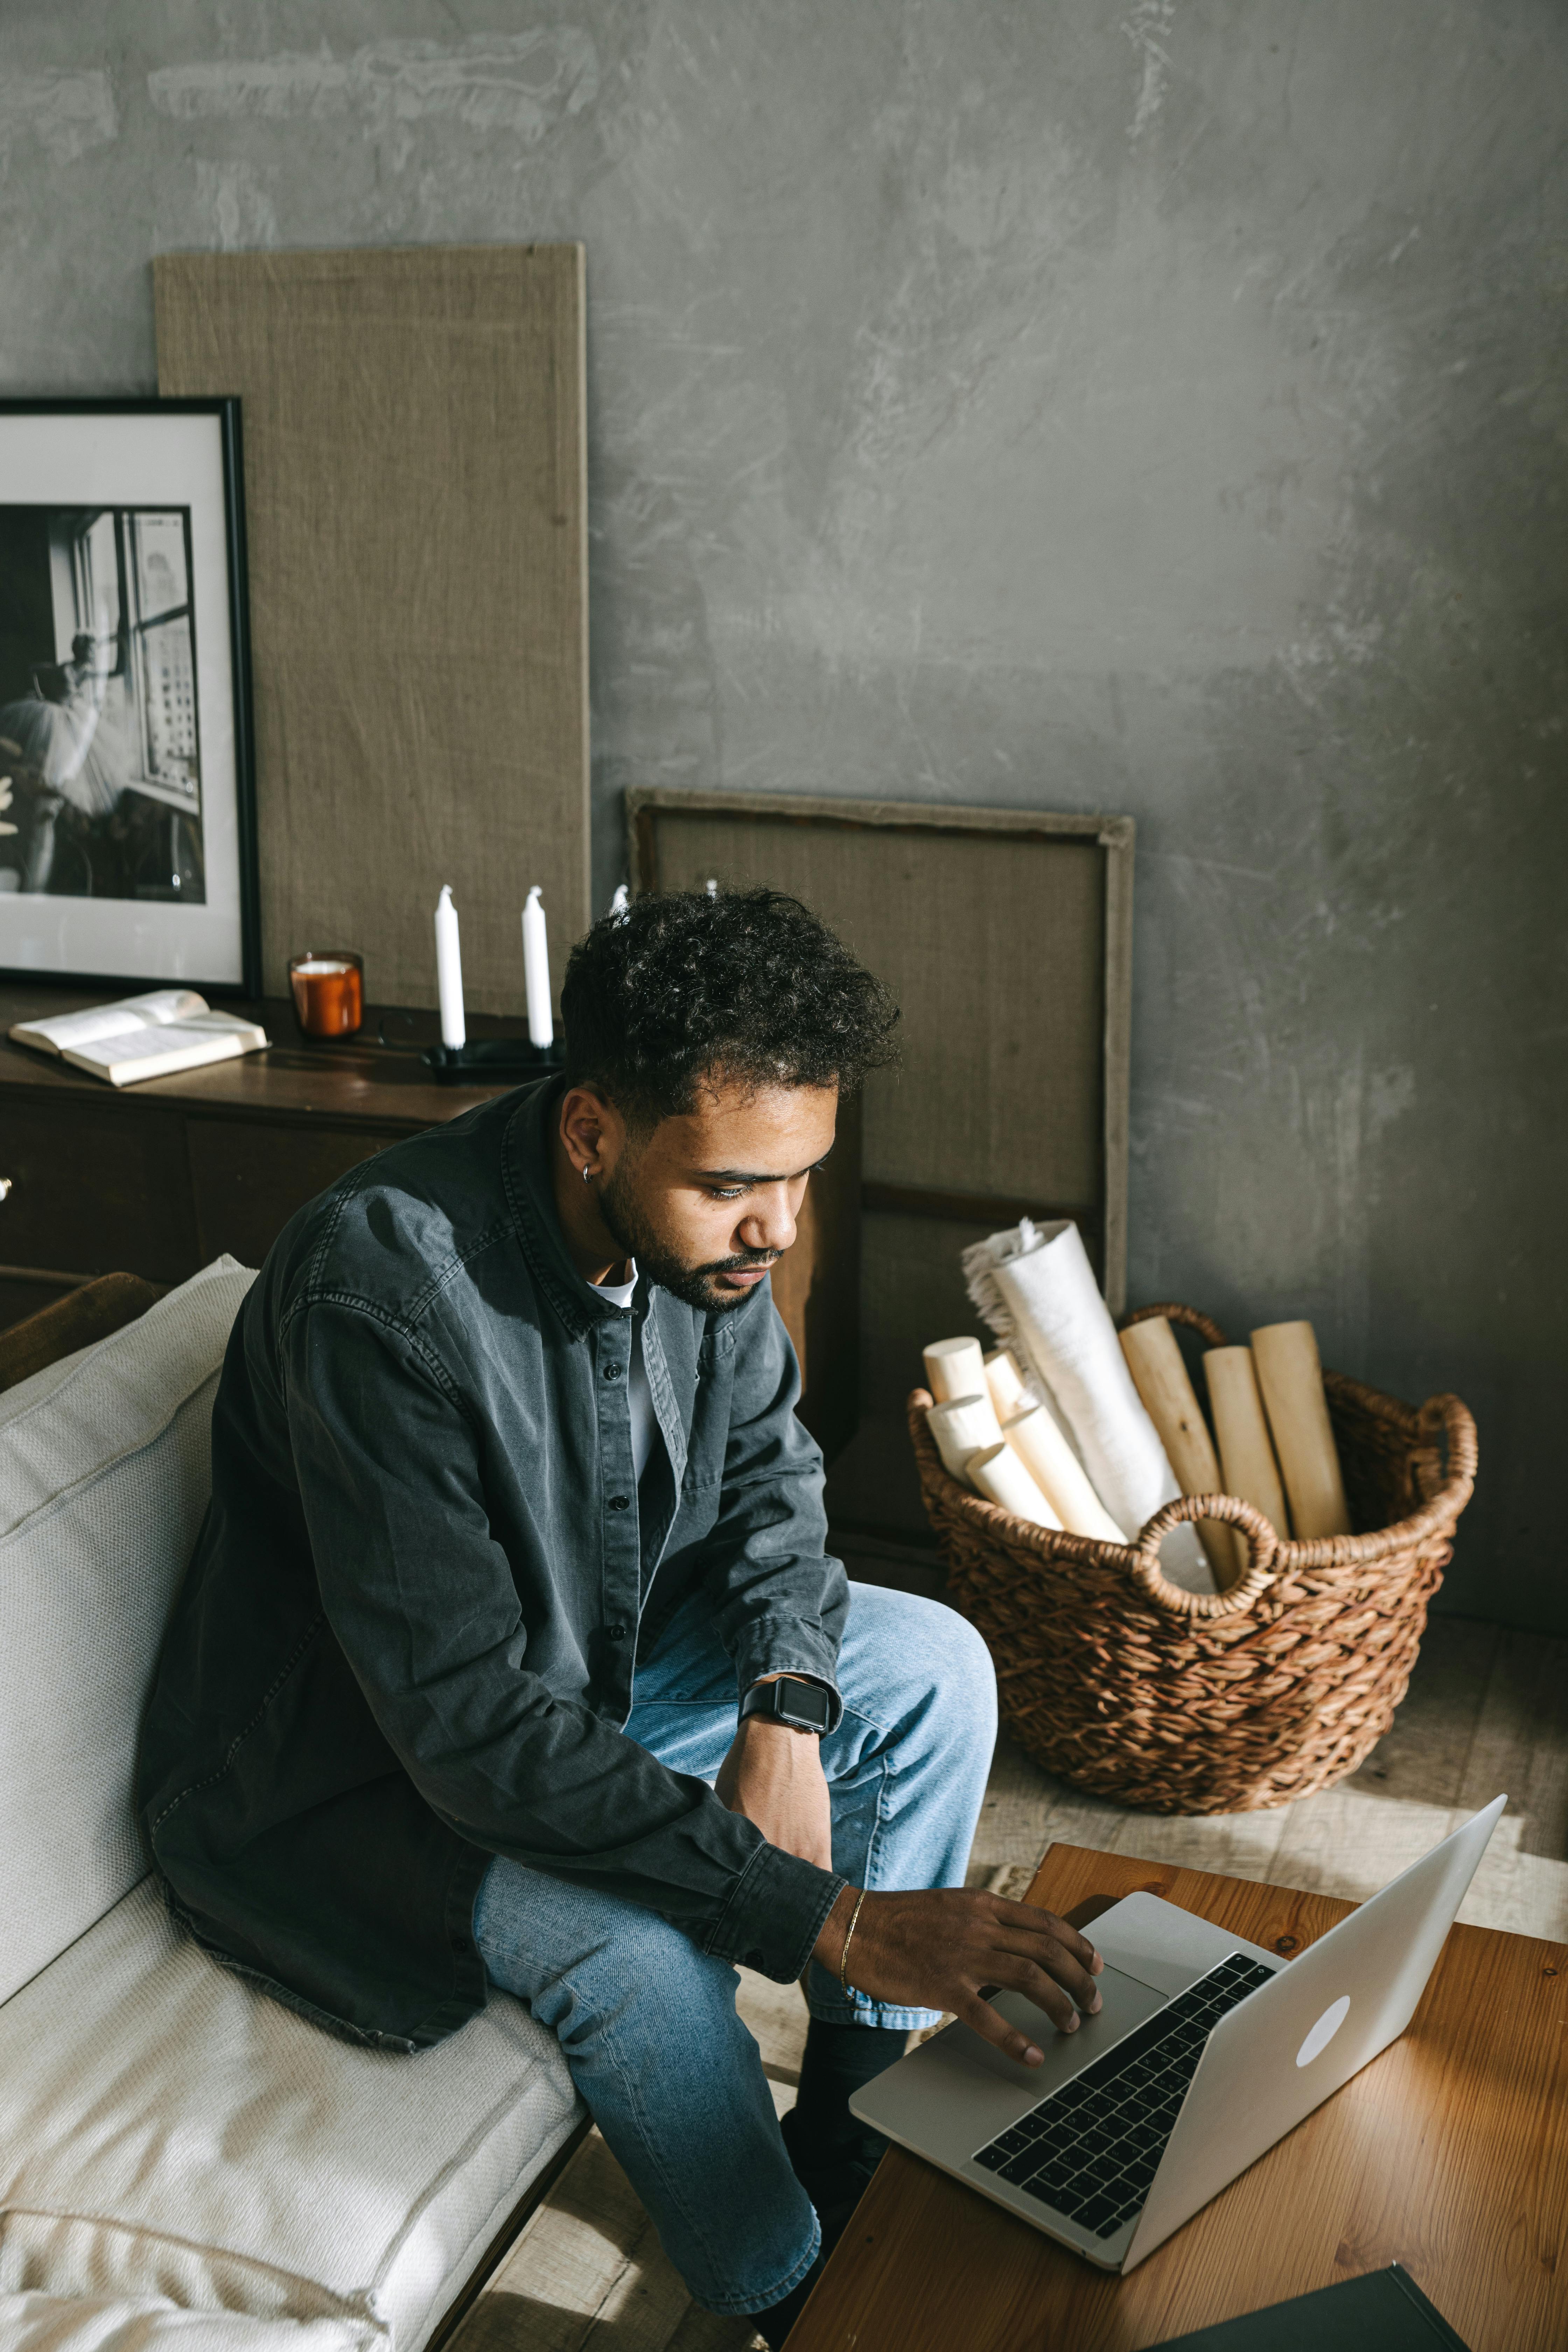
329, 991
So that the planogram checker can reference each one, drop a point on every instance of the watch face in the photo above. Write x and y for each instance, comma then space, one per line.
805, 1703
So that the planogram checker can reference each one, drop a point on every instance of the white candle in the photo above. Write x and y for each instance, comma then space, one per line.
536, 970
449, 969
618, 904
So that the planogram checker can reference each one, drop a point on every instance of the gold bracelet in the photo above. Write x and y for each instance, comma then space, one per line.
844, 1984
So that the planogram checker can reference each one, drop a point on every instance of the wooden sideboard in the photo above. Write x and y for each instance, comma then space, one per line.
161, 1178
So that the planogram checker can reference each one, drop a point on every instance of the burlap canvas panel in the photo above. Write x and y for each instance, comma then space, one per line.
1006, 936
415, 503
995, 945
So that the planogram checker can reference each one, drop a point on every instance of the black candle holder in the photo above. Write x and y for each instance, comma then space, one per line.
493, 1057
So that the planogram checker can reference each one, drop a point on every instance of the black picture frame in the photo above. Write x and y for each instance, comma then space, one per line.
222, 952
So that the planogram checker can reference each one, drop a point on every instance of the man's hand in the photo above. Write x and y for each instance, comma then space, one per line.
774, 1777
937, 1950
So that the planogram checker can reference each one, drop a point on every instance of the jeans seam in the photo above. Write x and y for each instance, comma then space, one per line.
882, 1731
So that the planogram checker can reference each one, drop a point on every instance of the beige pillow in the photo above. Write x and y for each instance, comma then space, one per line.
105, 1468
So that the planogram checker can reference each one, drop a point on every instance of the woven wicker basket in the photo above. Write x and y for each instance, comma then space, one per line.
1214, 1703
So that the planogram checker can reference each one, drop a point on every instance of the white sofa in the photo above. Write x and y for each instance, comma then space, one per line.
180, 2157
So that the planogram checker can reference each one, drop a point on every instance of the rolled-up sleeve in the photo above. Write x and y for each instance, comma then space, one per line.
421, 1597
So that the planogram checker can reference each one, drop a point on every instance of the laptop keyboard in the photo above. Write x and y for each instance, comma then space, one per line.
1090, 2150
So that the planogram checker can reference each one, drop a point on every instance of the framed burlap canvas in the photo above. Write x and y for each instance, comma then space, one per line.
416, 500
1006, 935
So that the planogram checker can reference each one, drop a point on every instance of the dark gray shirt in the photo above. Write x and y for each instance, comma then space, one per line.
406, 1639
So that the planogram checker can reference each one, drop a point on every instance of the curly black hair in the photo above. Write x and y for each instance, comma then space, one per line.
747, 985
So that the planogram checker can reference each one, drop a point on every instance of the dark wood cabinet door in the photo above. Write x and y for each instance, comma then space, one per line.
97, 1190
249, 1178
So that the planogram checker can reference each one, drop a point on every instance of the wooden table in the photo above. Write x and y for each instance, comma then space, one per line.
1449, 2154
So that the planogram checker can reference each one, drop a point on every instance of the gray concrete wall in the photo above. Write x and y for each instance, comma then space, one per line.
1142, 405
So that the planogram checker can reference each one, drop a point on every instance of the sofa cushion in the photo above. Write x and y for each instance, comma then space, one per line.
56, 2323
166, 2130
104, 1474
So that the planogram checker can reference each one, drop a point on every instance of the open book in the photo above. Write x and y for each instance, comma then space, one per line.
147, 1037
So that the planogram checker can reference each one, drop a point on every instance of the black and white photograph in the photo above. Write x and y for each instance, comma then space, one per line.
126, 834
99, 732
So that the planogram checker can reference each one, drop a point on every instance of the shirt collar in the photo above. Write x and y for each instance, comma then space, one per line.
528, 1169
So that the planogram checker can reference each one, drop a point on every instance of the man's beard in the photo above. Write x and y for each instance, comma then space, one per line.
694, 1285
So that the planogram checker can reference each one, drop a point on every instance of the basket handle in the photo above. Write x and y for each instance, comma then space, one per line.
1460, 1441
1262, 1543
1175, 1313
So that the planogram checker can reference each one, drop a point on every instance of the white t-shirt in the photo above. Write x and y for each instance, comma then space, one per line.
639, 1396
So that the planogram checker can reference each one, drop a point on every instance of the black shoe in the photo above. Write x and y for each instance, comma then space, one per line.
822, 2136
834, 2173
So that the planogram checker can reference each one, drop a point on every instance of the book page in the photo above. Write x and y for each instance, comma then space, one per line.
162, 1052
217, 1025
126, 1018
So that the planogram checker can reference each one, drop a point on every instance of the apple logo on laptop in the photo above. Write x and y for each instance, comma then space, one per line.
1323, 2032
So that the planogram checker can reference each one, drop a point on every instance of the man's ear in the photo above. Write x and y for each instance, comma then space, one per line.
592, 1129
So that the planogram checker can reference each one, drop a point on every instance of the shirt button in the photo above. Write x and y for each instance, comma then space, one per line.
620, 1502
611, 1371
614, 1633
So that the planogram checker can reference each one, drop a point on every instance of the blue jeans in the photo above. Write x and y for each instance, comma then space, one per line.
647, 2022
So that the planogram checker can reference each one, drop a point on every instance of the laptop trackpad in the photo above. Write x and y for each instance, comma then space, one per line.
1125, 2003
953, 2092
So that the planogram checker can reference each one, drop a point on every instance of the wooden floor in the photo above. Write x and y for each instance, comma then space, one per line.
1486, 1711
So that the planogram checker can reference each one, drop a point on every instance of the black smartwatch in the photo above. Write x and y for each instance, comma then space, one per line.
805, 1706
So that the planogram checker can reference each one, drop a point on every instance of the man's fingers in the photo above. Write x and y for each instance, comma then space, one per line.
1056, 1931
1053, 1946
994, 2028
1051, 1961
1021, 1975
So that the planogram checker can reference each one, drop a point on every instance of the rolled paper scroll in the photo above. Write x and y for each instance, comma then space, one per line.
955, 1367
1006, 1382
1245, 1449
1059, 1475
1037, 1290
996, 1472
1291, 1379
1161, 1379
961, 1426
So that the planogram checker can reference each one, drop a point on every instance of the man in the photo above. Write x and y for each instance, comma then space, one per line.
511, 1647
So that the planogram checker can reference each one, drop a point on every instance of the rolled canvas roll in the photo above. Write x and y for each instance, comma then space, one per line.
995, 1472
961, 1427
1245, 1449
1161, 1379
1291, 1379
1037, 1290
1059, 1475
1006, 1382
955, 1367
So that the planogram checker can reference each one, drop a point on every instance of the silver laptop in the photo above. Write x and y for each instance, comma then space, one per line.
1206, 2051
